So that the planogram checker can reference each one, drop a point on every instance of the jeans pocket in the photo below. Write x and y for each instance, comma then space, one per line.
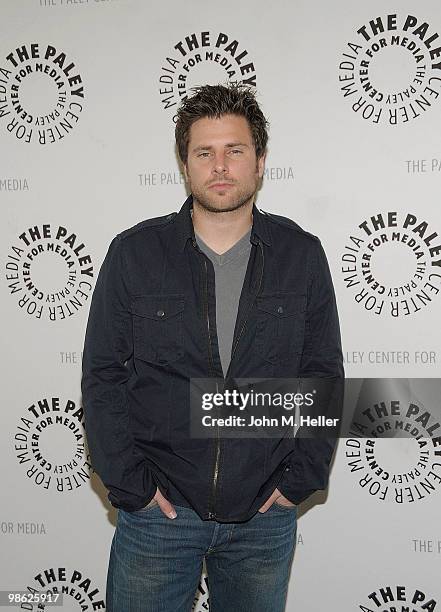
281, 507
152, 504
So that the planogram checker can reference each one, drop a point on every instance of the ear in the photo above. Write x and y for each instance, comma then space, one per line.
261, 165
184, 168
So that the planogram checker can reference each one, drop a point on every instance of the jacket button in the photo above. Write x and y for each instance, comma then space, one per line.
160, 313
280, 309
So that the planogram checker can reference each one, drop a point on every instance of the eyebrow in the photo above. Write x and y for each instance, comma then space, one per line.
227, 146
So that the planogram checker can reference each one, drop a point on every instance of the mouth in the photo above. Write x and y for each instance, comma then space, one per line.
220, 185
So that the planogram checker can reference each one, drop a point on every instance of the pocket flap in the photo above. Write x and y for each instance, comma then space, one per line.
158, 307
282, 304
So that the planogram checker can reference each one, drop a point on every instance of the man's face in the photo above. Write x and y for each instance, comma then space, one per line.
222, 170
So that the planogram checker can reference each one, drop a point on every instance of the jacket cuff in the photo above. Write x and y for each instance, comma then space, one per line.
295, 496
129, 501
292, 485
129, 505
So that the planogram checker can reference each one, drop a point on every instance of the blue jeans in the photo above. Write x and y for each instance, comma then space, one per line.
155, 562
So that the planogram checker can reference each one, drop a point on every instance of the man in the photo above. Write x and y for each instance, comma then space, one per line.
219, 290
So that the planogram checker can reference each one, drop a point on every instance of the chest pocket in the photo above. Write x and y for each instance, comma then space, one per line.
280, 325
158, 327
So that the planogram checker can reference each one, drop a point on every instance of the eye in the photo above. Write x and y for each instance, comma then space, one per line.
203, 154
236, 151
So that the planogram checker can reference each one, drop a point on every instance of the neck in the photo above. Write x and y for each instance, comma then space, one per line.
220, 231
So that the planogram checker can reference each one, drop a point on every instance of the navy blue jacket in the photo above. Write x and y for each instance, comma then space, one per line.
152, 327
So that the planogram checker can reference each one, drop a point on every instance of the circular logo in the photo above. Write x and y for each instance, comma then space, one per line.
201, 601
49, 272
74, 586
393, 453
199, 58
392, 264
49, 444
391, 70
396, 598
41, 93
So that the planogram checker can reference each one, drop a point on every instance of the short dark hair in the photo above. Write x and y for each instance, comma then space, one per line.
214, 101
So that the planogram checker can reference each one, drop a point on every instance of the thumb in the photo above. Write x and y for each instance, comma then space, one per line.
269, 502
166, 507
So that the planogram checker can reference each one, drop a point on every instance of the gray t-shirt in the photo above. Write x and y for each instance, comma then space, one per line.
229, 269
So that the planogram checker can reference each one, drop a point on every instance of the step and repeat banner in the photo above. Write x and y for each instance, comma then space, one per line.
88, 97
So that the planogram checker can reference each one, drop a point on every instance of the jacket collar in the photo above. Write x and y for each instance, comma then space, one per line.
260, 228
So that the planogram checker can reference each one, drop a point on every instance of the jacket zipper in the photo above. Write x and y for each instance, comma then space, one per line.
216, 467
211, 512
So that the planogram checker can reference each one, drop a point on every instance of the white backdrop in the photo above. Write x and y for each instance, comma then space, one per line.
88, 91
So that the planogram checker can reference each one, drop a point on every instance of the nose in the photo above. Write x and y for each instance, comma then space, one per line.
220, 163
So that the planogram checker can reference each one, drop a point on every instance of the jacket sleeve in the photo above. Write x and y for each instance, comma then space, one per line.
108, 345
308, 467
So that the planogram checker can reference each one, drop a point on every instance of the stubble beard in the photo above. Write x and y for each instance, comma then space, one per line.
210, 204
